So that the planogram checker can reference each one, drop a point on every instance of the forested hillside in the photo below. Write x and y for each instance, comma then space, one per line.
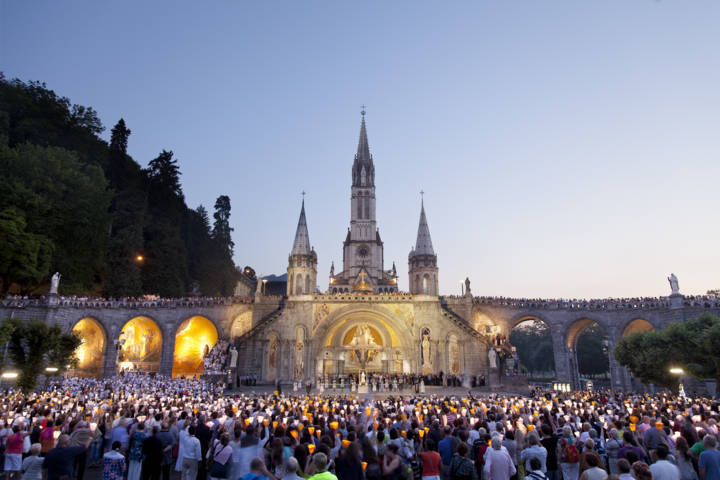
72, 203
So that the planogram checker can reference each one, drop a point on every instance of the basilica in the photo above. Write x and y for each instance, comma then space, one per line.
363, 323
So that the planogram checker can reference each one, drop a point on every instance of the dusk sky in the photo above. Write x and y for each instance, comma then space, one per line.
567, 149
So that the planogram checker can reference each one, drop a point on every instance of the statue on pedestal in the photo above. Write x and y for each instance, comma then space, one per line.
467, 285
672, 279
362, 378
492, 358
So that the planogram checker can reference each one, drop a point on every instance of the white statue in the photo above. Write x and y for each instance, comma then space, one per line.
55, 283
363, 336
233, 356
426, 350
674, 286
362, 378
492, 358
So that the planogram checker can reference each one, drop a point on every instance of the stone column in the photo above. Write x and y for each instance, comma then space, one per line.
563, 364
168, 349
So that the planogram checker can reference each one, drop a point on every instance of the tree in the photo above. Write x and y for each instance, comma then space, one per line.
125, 243
221, 228
35, 345
24, 257
692, 345
165, 268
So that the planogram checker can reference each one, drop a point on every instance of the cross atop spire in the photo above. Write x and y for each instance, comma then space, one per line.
362, 112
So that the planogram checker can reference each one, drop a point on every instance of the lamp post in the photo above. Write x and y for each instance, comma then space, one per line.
264, 286
680, 372
606, 351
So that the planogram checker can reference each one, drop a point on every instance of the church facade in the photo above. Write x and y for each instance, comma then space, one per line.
363, 323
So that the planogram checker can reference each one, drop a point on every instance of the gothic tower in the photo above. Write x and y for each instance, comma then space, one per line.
302, 261
422, 261
363, 256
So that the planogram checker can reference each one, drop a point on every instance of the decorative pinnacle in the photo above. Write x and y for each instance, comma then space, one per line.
362, 112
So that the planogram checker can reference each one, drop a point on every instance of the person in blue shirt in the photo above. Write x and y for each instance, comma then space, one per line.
709, 461
446, 449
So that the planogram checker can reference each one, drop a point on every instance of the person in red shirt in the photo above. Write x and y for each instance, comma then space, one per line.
431, 461
13, 452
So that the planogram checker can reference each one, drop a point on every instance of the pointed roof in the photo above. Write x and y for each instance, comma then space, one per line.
302, 238
423, 245
363, 151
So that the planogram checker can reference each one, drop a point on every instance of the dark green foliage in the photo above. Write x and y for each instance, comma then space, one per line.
592, 359
34, 346
24, 257
533, 342
165, 268
92, 209
692, 345
63, 200
123, 276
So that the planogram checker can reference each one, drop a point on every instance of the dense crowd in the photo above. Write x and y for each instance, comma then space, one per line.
151, 427
216, 359
707, 301
391, 382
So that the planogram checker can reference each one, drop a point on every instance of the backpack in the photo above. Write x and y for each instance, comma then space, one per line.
569, 452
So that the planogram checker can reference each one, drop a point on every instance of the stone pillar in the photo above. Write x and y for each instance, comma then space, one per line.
168, 350
563, 364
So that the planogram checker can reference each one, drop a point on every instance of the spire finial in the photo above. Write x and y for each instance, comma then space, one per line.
362, 112
303, 194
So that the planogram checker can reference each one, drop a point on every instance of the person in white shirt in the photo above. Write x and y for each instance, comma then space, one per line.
191, 454
32, 465
663, 469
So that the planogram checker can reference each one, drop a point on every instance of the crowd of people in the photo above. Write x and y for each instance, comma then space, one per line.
140, 426
20, 301
216, 359
707, 301
390, 382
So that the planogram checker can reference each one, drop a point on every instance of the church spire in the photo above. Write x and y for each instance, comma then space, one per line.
423, 244
302, 238
363, 151
363, 171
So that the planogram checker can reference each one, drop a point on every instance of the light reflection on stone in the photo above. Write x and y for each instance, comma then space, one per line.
142, 344
90, 352
195, 337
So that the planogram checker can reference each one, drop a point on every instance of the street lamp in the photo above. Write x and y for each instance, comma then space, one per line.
139, 258
265, 286
680, 372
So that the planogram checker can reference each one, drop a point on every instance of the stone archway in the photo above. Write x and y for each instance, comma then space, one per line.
363, 338
194, 339
140, 345
573, 333
91, 352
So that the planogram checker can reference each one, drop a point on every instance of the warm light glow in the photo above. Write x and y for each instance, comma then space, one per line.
51, 369
195, 337
141, 345
90, 352
139, 258
677, 371
10, 375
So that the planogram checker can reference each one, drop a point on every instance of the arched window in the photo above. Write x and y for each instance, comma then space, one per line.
307, 284
358, 201
298, 284
417, 283
426, 283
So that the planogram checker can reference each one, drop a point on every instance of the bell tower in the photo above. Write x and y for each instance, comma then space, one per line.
422, 261
302, 261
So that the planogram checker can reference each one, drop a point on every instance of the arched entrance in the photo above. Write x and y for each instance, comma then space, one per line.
194, 339
637, 325
139, 345
368, 340
532, 340
589, 347
91, 351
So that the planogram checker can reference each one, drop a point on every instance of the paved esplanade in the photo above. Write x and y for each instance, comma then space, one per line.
361, 324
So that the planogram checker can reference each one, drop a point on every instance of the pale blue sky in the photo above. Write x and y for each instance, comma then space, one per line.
566, 148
